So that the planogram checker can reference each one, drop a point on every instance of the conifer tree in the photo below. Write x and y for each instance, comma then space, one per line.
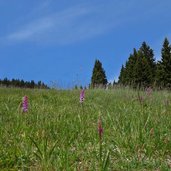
131, 68
164, 66
122, 76
140, 68
141, 71
22, 83
150, 67
98, 76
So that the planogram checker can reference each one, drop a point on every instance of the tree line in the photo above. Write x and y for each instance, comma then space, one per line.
140, 70
22, 84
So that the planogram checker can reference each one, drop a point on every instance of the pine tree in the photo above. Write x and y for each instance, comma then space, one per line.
98, 76
131, 68
164, 66
6, 82
32, 84
128, 73
39, 84
122, 76
150, 67
140, 68
159, 74
141, 71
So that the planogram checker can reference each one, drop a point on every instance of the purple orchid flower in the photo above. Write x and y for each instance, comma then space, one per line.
82, 96
25, 104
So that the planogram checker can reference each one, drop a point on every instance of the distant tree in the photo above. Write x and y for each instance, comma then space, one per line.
22, 83
142, 71
163, 75
39, 84
32, 84
6, 82
149, 63
27, 84
122, 75
13, 82
140, 68
43, 86
98, 76
128, 73
17, 82
131, 69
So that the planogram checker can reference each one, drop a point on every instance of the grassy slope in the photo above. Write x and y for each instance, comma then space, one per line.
137, 136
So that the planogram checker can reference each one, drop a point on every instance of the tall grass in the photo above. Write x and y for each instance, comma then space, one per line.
58, 133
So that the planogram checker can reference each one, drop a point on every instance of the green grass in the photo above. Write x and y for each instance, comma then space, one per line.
59, 134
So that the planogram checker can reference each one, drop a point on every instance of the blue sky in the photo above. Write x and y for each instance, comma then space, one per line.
57, 41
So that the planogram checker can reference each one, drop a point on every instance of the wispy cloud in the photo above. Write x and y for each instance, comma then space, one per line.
73, 24
70, 25
30, 30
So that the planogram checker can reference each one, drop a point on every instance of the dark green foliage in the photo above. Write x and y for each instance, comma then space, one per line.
32, 84
150, 64
131, 71
139, 70
164, 66
22, 84
98, 76
122, 76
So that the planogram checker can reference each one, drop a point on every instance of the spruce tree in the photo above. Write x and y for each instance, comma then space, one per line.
164, 66
131, 68
149, 61
98, 76
140, 68
122, 76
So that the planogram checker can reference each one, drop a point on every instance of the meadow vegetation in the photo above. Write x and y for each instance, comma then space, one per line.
59, 133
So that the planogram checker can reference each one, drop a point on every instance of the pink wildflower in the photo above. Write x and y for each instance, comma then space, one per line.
100, 129
82, 96
25, 104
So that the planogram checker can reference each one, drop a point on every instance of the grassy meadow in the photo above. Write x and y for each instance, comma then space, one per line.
58, 133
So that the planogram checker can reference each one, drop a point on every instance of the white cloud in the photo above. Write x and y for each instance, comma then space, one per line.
30, 30
70, 25
75, 23
59, 27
